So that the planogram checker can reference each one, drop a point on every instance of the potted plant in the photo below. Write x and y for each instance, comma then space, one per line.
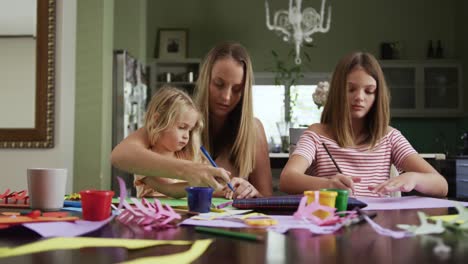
287, 74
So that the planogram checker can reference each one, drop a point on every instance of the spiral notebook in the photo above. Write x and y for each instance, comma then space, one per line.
287, 202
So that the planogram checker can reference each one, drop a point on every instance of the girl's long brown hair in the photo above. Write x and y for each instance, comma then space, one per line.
336, 112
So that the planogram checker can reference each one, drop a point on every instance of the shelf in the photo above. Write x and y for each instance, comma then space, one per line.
176, 83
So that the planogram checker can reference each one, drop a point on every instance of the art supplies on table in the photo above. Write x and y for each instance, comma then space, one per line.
174, 202
286, 203
8, 219
14, 199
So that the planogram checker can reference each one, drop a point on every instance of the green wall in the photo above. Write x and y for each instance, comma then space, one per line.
130, 27
356, 25
93, 94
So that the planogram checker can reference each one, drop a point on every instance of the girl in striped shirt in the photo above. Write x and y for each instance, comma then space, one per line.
355, 128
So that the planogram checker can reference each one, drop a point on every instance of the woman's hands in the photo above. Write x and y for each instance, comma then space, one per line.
405, 182
340, 181
207, 175
243, 189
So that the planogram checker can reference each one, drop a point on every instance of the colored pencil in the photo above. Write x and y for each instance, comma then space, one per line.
207, 155
226, 204
331, 157
223, 232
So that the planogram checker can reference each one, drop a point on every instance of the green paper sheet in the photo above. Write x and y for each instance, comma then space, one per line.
61, 243
175, 202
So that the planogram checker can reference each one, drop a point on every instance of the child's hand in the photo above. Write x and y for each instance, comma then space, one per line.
405, 182
340, 181
243, 189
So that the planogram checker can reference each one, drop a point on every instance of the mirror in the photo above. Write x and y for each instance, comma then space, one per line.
27, 74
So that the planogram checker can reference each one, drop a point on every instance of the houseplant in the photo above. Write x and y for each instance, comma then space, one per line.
287, 74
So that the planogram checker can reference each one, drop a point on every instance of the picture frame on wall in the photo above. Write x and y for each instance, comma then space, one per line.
172, 43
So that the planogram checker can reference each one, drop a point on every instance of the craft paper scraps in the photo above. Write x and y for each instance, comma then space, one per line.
146, 214
214, 215
60, 243
306, 211
457, 221
425, 228
386, 232
66, 229
285, 223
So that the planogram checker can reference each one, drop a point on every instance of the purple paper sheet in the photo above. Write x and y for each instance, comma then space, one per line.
66, 229
406, 202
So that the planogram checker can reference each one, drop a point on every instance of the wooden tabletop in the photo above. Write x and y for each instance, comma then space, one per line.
355, 244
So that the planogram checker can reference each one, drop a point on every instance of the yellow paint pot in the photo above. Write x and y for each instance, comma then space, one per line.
326, 198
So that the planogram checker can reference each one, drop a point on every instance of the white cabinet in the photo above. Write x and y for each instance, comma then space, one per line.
179, 73
424, 88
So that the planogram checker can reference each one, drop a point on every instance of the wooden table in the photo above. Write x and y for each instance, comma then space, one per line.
356, 244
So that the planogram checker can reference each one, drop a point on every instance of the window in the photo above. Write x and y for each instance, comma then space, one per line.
268, 102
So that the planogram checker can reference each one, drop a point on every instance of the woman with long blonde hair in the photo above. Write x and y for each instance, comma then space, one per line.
354, 129
231, 134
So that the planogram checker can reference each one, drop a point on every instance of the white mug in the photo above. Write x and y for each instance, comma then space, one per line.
46, 188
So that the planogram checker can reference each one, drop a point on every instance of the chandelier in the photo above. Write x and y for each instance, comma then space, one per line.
295, 26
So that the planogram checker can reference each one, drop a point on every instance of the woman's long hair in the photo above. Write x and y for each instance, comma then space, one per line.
239, 133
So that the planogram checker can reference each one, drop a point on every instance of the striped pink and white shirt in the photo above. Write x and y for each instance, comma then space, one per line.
373, 166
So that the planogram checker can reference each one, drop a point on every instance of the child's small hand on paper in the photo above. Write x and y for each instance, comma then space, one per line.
404, 183
243, 189
340, 181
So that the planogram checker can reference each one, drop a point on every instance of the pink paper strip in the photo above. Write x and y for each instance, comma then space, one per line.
406, 202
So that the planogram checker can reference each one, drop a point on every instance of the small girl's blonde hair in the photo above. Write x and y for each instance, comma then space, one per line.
167, 104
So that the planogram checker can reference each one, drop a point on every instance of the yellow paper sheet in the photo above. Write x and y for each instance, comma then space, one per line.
61, 243
189, 256
446, 218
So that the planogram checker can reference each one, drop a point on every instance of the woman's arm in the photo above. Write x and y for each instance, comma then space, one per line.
293, 179
260, 177
419, 175
133, 155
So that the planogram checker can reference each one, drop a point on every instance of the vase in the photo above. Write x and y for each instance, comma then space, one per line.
283, 130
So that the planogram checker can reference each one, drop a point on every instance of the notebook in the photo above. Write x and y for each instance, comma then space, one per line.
287, 202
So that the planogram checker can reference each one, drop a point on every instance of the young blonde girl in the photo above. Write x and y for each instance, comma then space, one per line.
173, 126
355, 128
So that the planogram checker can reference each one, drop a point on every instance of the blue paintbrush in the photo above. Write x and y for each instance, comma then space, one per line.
207, 155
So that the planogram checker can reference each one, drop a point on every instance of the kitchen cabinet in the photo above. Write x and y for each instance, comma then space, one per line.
462, 178
431, 88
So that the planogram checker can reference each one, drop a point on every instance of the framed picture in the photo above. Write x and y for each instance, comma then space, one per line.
171, 43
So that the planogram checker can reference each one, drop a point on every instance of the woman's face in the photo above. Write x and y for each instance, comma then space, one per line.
361, 90
226, 87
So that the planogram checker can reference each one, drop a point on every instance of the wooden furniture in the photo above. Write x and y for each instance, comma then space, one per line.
431, 88
356, 244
